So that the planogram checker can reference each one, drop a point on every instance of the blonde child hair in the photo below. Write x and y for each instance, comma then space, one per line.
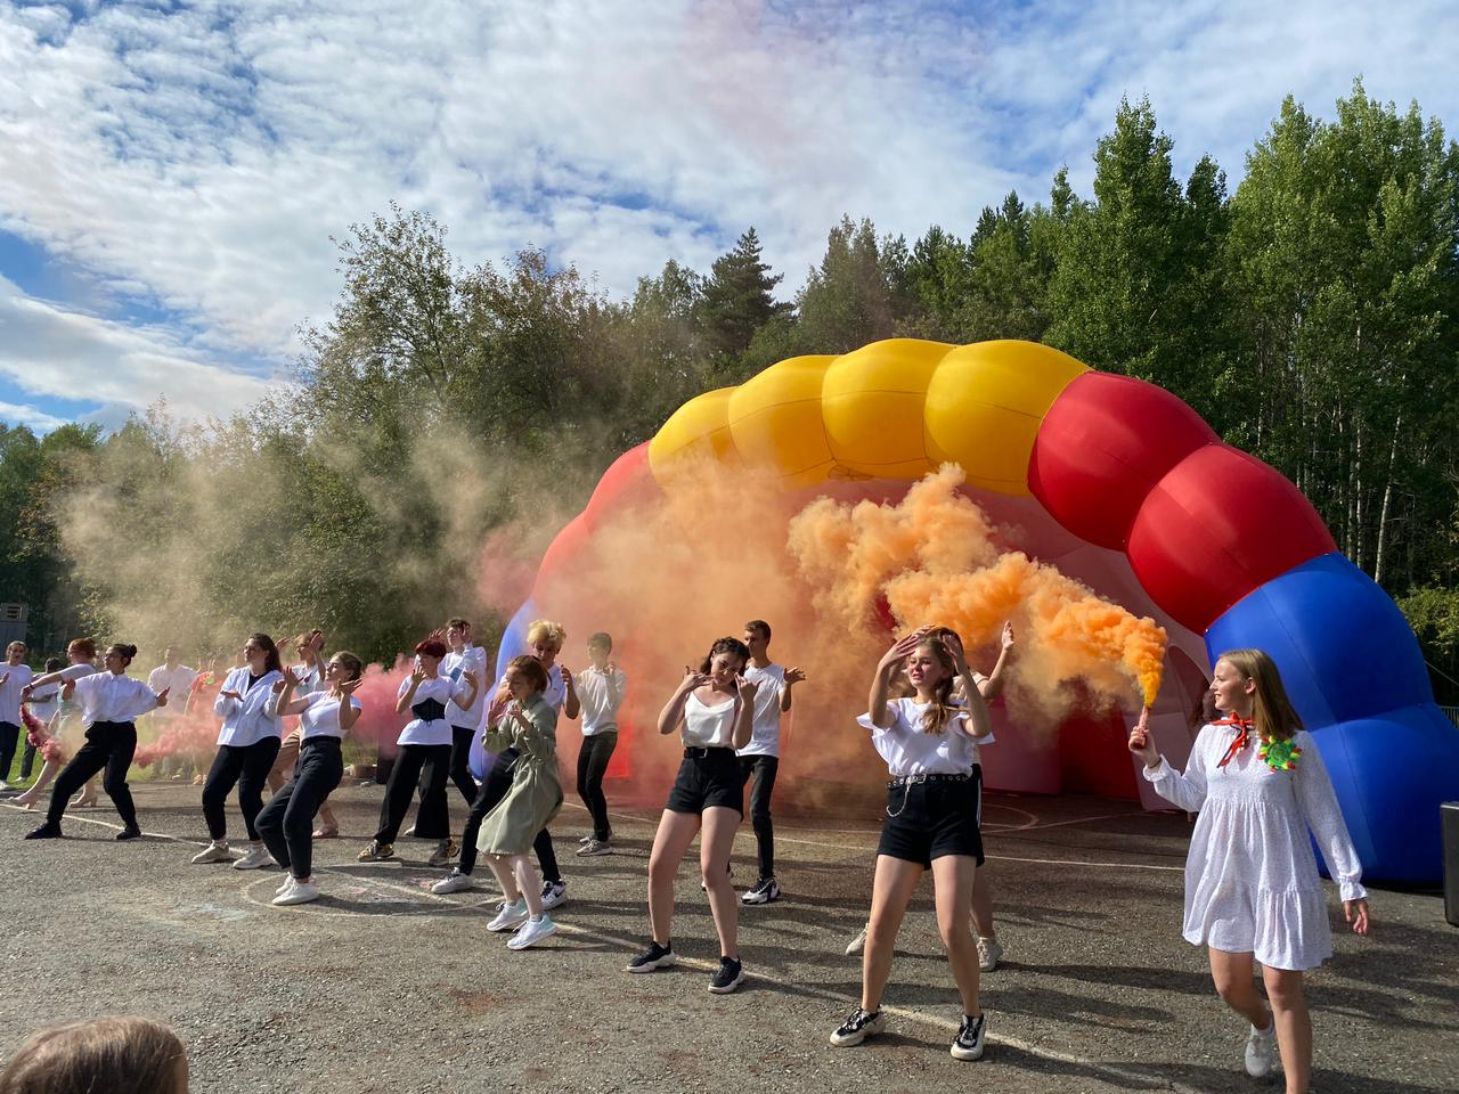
121, 1055
1275, 717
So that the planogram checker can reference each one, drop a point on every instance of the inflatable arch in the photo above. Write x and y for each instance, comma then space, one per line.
1120, 484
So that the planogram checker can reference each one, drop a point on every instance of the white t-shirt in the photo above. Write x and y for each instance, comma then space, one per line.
765, 738
46, 708
470, 659
252, 718
321, 717
556, 693
178, 679
434, 731
108, 697
20, 675
909, 751
601, 694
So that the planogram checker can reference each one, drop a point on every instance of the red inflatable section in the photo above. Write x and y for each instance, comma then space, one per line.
1103, 446
1219, 525
627, 482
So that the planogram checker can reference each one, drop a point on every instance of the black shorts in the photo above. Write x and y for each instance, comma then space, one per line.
927, 820
708, 777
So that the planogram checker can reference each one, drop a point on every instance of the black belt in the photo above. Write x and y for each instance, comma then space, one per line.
704, 753
320, 739
112, 725
429, 710
910, 780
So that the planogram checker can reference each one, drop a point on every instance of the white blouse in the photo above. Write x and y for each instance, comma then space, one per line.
601, 694
434, 731
909, 751
709, 726
248, 720
470, 659
1251, 881
321, 717
109, 697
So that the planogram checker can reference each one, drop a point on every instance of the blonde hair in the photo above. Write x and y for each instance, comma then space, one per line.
121, 1055
936, 716
545, 630
1275, 717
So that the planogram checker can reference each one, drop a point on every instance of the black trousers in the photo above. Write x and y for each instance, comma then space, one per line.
287, 821
423, 768
27, 762
109, 745
593, 760
461, 739
9, 738
493, 790
247, 767
763, 769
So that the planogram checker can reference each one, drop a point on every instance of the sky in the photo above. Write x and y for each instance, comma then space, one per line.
171, 173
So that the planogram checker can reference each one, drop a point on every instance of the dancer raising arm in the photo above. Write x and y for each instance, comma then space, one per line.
931, 823
81, 652
110, 704
527, 723
713, 710
425, 755
1252, 892
286, 821
602, 685
248, 742
464, 656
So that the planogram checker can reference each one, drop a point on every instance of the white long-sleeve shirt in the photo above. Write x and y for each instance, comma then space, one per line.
470, 659
248, 720
112, 697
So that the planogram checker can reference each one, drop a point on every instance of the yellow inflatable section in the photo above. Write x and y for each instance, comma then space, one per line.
890, 410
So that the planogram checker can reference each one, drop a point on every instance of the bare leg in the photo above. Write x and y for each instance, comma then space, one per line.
530, 882
715, 844
87, 795
47, 773
983, 904
952, 877
501, 870
1232, 974
676, 832
890, 891
1294, 1026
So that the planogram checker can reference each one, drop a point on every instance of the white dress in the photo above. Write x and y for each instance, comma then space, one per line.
1251, 881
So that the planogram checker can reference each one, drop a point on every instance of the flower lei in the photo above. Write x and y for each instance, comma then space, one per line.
1280, 755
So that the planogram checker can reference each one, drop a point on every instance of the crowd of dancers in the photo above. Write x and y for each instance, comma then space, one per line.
1253, 895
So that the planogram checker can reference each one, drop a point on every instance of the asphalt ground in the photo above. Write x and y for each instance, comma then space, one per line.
382, 986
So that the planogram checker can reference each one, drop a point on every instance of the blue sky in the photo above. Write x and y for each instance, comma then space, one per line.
170, 174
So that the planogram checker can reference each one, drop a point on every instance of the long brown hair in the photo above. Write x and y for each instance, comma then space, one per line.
936, 716
1275, 717
121, 1055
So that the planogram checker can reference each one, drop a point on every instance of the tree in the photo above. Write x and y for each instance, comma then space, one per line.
851, 297
738, 298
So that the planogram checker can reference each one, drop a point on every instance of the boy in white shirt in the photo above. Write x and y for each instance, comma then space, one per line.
600, 689
760, 759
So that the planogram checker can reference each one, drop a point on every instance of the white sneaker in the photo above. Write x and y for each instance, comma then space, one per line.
554, 893
454, 882
256, 856
857, 944
217, 851
586, 839
1261, 1051
301, 892
532, 932
4, 786
509, 916
990, 952
285, 885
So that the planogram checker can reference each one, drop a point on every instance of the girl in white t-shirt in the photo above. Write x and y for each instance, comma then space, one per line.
1252, 891
931, 822
81, 652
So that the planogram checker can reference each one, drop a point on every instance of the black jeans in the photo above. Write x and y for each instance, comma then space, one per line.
247, 767
493, 790
109, 745
461, 739
287, 821
27, 762
763, 768
593, 760
9, 738
423, 768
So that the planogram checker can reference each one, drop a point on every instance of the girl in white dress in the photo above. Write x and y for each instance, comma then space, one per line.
1252, 892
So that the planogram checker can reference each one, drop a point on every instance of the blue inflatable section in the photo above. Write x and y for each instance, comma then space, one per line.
514, 641
1355, 674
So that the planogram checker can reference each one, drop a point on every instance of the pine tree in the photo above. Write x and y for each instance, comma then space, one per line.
738, 298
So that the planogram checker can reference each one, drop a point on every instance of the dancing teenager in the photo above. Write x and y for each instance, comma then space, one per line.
110, 703
15, 678
248, 742
601, 687
526, 723
931, 823
760, 759
81, 653
464, 656
325, 717
309, 678
42, 707
1252, 892
713, 710
425, 756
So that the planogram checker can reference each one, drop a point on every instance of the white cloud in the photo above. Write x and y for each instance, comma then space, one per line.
38, 420
49, 350
202, 155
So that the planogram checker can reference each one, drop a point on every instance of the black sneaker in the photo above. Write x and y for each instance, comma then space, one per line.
861, 1025
968, 1044
766, 891
654, 958
45, 831
129, 833
729, 976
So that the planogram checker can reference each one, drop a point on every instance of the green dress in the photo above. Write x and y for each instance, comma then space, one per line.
536, 793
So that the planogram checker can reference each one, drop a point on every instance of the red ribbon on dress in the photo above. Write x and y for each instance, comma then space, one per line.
1243, 738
